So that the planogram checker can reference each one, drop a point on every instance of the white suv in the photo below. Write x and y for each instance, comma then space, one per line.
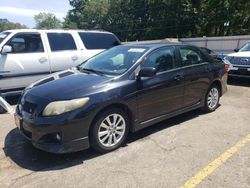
239, 62
29, 55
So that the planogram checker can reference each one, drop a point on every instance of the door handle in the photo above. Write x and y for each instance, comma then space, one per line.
179, 77
74, 58
43, 59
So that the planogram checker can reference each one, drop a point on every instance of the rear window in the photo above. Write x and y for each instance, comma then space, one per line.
98, 40
61, 41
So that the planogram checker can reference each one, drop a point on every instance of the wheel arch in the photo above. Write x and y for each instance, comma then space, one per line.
122, 106
217, 83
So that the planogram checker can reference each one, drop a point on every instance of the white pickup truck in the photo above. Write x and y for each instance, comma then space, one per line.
29, 55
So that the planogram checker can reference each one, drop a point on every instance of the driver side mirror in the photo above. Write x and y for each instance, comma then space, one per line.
6, 49
147, 72
236, 49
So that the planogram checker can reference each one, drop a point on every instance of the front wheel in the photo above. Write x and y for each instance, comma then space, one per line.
212, 99
109, 130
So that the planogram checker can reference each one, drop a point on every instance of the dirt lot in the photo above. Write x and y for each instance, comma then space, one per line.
168, 154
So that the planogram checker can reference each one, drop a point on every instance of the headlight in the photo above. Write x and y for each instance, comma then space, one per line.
60, 107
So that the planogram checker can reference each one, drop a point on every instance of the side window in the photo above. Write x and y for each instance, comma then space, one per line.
61, 42
26, 43
161, 60
93, 40
190, 56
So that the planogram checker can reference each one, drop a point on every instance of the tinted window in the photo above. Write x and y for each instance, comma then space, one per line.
98, 40
161, 60
26, 43
61, 41
190, 56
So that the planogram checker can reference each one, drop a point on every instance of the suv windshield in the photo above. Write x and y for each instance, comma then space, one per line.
114, 61
3, 35
246, 47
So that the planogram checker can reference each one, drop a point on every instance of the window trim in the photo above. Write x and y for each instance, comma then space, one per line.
58, 51
23, 33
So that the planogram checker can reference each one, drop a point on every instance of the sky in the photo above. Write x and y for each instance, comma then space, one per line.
23, 11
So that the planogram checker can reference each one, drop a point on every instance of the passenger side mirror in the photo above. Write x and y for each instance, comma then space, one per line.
6, 49
236, 49
147, 72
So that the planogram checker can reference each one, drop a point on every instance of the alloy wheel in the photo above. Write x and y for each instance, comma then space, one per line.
112, 130
213, 98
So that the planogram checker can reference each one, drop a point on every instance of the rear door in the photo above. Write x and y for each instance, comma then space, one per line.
162, 93
27, 62
64, 52
197, 74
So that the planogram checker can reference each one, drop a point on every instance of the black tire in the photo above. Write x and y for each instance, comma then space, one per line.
95, 142
207, 107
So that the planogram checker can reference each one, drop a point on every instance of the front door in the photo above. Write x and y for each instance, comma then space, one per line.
162, 93
27, 62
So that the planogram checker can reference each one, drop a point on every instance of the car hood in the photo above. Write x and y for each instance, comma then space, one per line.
240, 54
68, 84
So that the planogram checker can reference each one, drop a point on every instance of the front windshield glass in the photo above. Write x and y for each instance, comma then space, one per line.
3, 35
246, 47
114, 61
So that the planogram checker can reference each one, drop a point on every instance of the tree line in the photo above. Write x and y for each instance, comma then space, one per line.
155, 19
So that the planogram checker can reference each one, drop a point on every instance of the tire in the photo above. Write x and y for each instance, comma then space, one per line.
105, 136
212, 99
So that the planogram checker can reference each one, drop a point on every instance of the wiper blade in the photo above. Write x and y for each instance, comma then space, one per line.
92, 71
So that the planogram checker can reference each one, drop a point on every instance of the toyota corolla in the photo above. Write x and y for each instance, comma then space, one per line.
121, 90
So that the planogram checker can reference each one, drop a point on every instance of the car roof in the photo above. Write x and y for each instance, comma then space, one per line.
154, 45
56, 30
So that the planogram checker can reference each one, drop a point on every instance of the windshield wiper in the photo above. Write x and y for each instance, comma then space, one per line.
92, 71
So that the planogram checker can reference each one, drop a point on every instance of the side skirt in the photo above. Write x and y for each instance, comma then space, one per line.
166, 116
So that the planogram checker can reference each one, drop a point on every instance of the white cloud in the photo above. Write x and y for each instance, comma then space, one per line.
27, 12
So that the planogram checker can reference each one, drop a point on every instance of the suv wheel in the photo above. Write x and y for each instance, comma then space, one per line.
109, 130
212, 99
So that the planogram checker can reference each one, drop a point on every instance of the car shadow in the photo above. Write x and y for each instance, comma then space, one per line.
245, 82
26, 156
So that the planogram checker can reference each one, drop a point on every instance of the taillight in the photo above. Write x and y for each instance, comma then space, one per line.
226, 67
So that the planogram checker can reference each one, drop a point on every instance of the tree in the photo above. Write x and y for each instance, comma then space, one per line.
47, 21
6, 25
157, 19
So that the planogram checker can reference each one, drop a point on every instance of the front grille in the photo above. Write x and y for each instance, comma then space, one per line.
29, 107
240, 61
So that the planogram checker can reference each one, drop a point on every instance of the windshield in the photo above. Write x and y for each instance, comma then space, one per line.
3, 35
114, 61
246, 47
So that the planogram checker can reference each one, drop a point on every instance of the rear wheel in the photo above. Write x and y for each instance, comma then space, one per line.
212, 99
109, 130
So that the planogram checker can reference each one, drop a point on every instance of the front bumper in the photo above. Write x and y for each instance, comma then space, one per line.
61, 137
